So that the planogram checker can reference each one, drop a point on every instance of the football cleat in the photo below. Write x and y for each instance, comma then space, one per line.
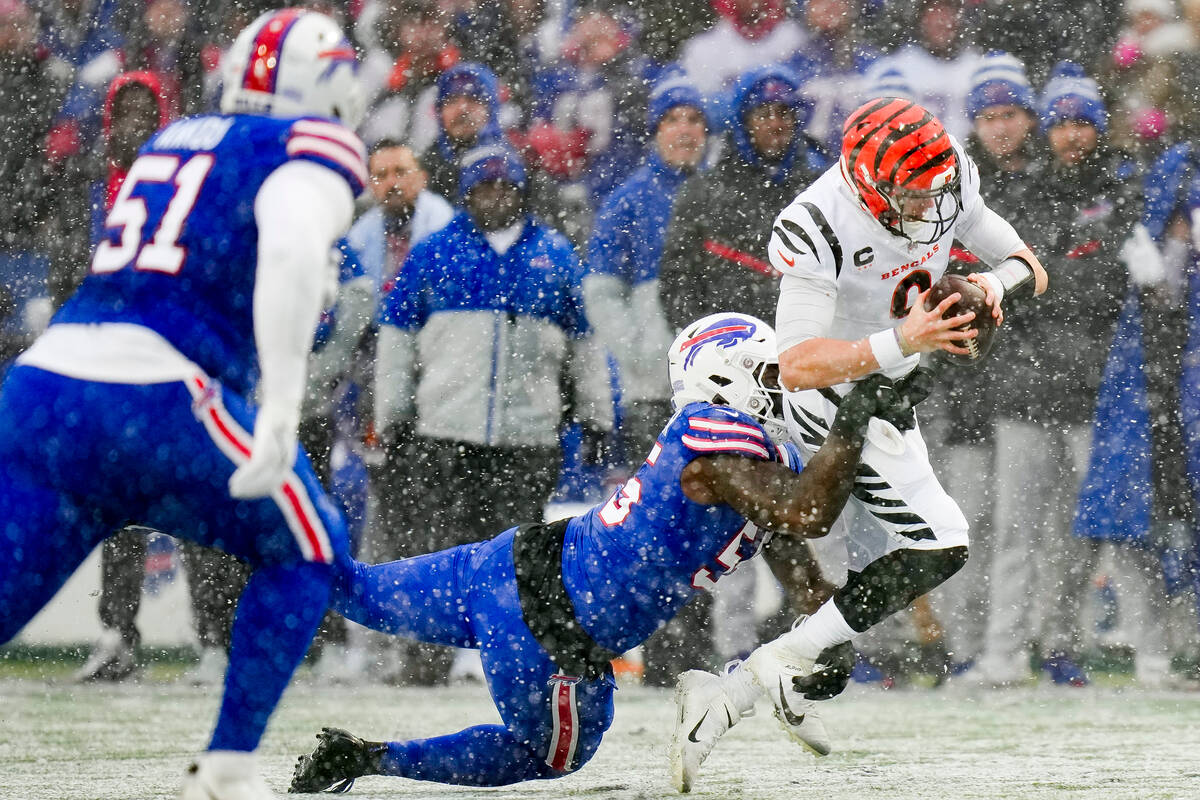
112, 659
795, 685
1063, 670
703, 712
340, 758
225, 775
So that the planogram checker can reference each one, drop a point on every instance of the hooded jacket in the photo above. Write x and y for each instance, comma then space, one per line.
715, 251
115, 173
441, 161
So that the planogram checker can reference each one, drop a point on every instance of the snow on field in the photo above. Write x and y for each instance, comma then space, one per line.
63, 742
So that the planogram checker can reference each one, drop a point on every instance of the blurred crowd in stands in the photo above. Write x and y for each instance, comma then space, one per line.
654, 143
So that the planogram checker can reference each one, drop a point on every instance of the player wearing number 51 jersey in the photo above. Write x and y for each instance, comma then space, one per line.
133, 407
549, 605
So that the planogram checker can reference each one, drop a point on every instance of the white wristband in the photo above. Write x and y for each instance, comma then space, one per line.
996, 284
886, 348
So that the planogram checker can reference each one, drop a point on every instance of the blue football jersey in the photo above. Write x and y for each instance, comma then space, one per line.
179, 249
631, 563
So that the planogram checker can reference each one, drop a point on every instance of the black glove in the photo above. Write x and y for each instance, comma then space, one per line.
916, 385
873, 396
911, 389
837, 663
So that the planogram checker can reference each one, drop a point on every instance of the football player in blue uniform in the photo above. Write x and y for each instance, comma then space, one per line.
550, 605
133, 407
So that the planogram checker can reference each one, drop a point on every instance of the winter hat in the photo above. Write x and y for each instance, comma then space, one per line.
672, 89
889, 83
771, 84
470, 79
489, 162
1071, 95
999, 80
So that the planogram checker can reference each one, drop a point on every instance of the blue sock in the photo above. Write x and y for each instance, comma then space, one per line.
275, 623
485, 755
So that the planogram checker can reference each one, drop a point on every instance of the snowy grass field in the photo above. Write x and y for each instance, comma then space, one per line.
128, 742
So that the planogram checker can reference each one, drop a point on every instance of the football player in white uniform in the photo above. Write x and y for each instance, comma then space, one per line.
859, 250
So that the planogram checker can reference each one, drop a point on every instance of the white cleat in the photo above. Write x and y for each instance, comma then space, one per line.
225, 775
797, 713
210, 669
703, 712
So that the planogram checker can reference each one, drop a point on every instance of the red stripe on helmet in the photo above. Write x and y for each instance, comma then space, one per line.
262, 69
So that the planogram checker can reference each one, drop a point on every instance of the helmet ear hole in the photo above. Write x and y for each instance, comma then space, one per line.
720, 380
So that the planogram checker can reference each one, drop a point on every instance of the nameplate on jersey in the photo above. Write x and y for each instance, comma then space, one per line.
203, 133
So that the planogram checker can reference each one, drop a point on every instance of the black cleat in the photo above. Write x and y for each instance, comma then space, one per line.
339, 758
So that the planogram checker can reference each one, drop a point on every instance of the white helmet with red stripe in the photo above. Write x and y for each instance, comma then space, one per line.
292, 62
729, 359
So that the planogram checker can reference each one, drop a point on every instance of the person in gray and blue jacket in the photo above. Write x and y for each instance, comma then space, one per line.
476, 341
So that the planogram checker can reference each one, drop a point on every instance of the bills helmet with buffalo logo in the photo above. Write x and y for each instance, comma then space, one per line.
293, 63
729, 359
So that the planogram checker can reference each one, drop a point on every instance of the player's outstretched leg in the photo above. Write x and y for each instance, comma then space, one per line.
277, 617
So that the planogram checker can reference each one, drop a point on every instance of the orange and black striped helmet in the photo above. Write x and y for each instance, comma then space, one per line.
901, 163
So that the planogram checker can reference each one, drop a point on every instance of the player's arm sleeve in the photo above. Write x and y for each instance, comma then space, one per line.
989, 236
301, 209
805, 311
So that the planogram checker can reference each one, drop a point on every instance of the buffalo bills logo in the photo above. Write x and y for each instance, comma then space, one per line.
343, 54
723, 333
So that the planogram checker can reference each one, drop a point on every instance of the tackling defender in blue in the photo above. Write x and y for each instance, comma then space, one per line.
549, 605
134, 406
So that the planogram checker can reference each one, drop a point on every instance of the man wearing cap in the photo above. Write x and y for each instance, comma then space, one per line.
715, 247
1086, 207
621, 288
484, 319
1006, 146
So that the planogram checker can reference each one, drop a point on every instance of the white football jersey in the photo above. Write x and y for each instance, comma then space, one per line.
870, 275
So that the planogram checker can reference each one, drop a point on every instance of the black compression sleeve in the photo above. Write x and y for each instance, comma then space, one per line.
890, 583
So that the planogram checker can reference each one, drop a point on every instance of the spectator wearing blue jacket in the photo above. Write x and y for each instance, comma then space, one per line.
475, 338
621, 288
1144, 471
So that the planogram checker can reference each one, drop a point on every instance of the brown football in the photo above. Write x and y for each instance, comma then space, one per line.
973, 299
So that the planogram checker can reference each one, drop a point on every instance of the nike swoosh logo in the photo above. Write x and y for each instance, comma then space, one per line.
785, 709
791, 262
692, 734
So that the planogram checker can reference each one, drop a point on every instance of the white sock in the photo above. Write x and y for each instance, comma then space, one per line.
741, 688
827, 627
823, 629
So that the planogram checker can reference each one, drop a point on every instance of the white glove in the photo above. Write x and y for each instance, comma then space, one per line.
272, 455
1142, 258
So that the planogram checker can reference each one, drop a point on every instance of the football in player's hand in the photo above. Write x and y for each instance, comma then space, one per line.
973, 299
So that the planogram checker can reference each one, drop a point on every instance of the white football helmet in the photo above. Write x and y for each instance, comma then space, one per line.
729, 359
292, 62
